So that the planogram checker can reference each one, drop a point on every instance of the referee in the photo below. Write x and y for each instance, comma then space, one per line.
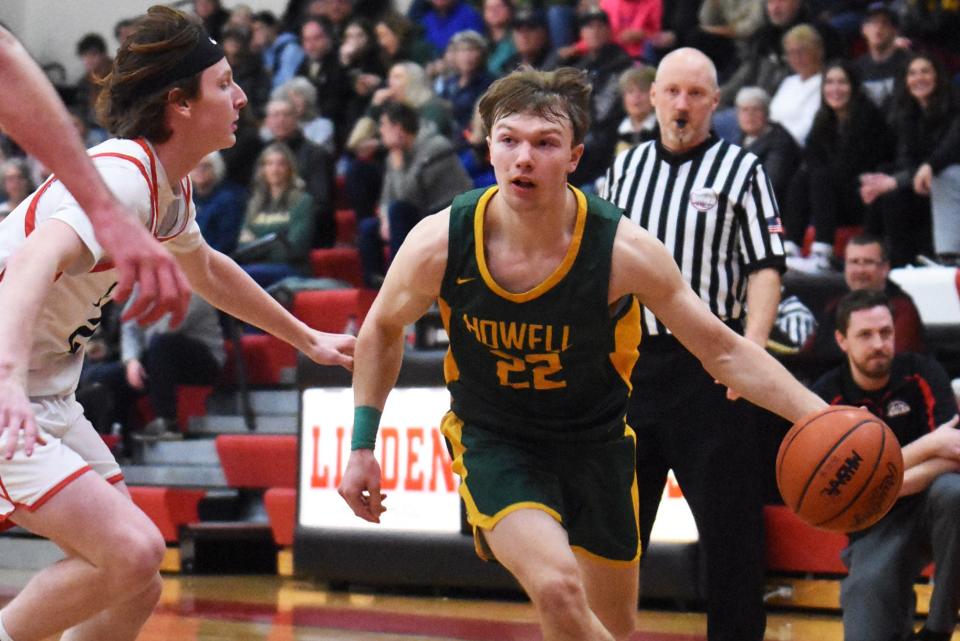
711, 204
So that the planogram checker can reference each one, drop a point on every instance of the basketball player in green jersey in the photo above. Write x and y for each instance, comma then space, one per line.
539, 287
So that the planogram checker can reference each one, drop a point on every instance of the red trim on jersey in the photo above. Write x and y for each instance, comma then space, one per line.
30, 220
154, 186
116, 478
929, 400
49, 494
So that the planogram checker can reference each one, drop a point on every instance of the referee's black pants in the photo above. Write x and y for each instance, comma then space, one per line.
684, 422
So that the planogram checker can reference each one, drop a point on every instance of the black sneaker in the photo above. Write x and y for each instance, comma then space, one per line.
159, 429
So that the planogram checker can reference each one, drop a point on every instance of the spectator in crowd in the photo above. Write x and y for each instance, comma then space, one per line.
313, 165
469, 80
92, 51
679, 23
281, 204
632, 22
400, 40
213, 15
220, 203
281, 52
724, 26
241, 18
497, 16
911, 394
763, 63
884, 61
122, 29
797, 99
935, 23
301, 93
17, 184
422, 176
406, 84
774, 146
445, 18
926, 111
475, 157
603, 60
361, 62
336, 13
850, 136
531, 39
866, 266
640, 123
156, 360
321, 66
248, 69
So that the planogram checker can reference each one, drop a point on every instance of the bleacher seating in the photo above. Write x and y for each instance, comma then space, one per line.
342, 263
256, 461
168, 507
265, 357
346, 227
281, 505
330, 310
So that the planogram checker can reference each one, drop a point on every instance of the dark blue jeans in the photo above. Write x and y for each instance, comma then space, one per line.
402, 216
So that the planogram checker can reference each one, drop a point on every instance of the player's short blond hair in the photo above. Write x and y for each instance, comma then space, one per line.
558, 95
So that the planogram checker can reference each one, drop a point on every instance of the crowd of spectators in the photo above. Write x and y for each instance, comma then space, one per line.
851, 106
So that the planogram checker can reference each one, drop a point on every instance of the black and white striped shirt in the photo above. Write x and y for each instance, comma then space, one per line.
714, 209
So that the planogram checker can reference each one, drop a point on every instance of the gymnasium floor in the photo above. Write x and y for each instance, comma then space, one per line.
270, 608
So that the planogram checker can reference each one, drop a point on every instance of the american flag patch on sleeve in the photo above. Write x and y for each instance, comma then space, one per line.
774, 226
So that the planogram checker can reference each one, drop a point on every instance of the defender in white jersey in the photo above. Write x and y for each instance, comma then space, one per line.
171, 100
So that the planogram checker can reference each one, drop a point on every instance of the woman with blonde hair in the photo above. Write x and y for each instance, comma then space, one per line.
407, 84
279, 204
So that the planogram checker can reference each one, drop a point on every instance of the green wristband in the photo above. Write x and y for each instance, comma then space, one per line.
366, 422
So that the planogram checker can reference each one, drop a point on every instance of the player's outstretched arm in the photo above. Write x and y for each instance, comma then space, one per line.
643, 266
222, 283
410, 287
27, 278
31, 112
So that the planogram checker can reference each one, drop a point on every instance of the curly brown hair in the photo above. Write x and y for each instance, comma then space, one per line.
553, 95
128, 105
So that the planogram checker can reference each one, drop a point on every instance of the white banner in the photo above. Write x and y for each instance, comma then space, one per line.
421, 488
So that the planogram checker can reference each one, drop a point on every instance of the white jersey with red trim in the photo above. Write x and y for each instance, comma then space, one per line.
72, 310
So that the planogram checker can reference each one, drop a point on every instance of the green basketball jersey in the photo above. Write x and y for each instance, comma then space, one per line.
552, 363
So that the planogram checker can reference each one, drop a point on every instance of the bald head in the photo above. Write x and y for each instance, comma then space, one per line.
685, 61
685, 94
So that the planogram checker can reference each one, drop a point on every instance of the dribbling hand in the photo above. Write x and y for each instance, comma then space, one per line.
360, 486
16, 415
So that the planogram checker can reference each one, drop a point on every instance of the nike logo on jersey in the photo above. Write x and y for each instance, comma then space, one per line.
461, 281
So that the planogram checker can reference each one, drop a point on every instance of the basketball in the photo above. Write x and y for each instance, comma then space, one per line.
840, 468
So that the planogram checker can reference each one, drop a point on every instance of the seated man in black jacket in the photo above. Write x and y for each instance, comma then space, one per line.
912, 394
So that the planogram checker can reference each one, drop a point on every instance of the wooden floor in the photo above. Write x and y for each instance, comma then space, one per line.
276, 609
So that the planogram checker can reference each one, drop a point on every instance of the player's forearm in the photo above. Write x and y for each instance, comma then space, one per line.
919, 477
763, 297
758, 377
24, 288
376, 362
36, 118
222, 283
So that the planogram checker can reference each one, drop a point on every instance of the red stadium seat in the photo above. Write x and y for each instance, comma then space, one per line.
265, 358
794, 546
330, 310
168, 507
258, 461
192, 401
281, 504
840, 239
346, 226
342, 263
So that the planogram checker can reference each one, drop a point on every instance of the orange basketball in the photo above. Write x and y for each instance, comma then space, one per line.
840, 468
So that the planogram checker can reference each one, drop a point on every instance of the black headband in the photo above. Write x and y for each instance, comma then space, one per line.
204, 54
